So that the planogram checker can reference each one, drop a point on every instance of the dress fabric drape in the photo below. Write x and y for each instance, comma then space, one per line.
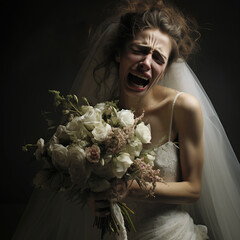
50, 216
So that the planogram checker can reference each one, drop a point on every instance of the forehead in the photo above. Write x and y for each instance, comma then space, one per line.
153, 38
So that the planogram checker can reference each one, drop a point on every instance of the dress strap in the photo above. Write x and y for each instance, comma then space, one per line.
171, 119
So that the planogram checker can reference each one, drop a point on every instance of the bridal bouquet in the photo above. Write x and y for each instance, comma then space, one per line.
91, 149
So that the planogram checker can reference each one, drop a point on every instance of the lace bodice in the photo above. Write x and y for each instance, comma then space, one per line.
167, 155
160, 220
167, 161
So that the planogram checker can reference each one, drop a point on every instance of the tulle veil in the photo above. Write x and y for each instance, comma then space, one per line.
50, 216
219, 205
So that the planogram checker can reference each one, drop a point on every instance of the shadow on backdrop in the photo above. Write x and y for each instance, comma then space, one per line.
43, 46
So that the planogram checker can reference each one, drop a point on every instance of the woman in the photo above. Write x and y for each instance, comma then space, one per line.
146, 44
149, 37
132, 45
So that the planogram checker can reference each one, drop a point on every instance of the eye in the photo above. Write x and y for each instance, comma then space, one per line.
140, 50
158, 58
136, 51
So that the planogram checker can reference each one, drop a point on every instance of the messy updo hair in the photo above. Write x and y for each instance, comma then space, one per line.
135, 16
139, 15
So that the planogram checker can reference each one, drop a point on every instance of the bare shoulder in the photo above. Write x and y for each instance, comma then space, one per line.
188, 114
188, 104
185, 104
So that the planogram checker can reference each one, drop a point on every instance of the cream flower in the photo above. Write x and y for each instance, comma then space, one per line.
101, 106
62, 134
75, 128
78, 170
91, 118
149, 158
101, 131
60, 156
134, 147
85, 108
143, 132
126, 117
52, 142
122, 163
40, 149
76, 154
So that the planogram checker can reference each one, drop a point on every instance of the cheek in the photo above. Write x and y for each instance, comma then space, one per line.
131, 58
127, 62
158, 69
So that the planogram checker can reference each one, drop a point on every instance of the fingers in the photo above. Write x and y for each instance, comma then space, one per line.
99, 196
119, 190
102, 204
102, 208
99, 205
120, 187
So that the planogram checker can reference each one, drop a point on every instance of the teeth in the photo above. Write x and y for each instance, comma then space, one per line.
136, 85
142, 77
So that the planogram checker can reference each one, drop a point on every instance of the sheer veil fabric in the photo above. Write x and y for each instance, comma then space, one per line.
218, 207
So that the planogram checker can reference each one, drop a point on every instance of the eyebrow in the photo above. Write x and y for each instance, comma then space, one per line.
148, 48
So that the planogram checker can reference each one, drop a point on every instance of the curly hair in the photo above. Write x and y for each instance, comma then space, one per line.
138, 15
134, 16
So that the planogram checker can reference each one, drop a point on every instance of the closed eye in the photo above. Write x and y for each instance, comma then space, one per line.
158, 58
137, 49
144, 50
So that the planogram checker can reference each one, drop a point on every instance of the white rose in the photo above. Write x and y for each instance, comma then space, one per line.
143, 132
85, 108
40, 149
76, 129
101, 107
60, 156
134, 147
62, 134
121, 164
75, 124
101, 132
126, 117
77, 155
78, 171
52, 142
91, 118
149, 158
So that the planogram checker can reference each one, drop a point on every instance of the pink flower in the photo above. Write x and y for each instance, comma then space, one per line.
93, 154
145, 173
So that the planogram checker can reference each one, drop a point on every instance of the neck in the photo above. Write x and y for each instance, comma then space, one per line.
137, 103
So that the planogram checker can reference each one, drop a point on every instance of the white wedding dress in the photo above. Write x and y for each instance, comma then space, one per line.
51, 216
157, 221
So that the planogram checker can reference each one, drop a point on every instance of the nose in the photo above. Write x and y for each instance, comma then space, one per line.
145, 64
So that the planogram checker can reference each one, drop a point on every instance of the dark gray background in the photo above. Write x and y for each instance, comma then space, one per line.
43, 45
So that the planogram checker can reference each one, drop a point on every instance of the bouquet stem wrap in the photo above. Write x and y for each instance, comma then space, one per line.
117, 214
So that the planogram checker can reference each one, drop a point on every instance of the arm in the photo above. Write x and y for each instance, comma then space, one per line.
188, 124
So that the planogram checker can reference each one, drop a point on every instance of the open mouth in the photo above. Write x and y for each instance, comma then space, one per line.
137, 81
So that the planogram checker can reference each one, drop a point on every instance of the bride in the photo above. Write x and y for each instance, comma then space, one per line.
140, 58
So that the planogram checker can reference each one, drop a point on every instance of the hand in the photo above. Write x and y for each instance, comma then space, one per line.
99, 205
119, 190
